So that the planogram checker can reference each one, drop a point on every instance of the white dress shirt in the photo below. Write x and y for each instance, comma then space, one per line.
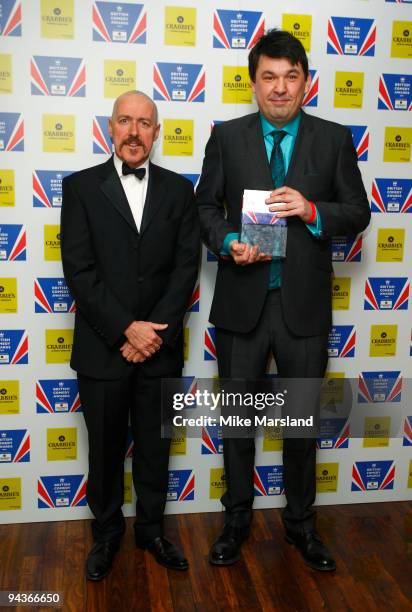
134, 188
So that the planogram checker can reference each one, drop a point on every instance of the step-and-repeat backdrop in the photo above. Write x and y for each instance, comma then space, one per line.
62, 63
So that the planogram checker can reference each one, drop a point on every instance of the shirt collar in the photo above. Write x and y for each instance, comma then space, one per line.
119, 162
290, 128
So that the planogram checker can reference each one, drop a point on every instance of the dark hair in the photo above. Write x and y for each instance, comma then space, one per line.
278, 44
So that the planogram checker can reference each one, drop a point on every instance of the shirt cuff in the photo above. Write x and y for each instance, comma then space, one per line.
315, 227
225, 250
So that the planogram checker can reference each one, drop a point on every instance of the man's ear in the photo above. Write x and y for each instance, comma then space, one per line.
110, 127
308, 83
156, 136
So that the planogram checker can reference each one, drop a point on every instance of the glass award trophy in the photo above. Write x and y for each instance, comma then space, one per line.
260, 226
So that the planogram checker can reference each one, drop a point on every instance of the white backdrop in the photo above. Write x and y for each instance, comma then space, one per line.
60, 70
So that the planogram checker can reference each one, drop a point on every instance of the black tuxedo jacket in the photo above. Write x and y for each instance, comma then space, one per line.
117, 274
324, 169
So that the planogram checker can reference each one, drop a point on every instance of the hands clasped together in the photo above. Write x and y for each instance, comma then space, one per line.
142, 340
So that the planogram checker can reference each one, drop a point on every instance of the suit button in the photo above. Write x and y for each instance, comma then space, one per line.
140, 279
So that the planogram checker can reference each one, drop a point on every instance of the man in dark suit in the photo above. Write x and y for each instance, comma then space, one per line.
130, 242
282, 306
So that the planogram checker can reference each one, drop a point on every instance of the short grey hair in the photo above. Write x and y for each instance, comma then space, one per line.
135, 92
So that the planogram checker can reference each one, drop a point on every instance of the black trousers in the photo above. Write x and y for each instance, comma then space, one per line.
107, 405
245, 356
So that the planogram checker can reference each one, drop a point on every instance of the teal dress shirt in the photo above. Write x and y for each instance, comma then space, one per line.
287, 146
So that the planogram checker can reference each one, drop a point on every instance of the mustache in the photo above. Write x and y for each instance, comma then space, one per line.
133, 140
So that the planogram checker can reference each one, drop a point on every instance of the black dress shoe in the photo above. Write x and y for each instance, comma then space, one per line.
100, 559
165, 553
312, 549
226, 549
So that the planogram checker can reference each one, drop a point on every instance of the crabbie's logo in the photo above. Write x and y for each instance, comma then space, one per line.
10, 493
119, 23
7, 192
119, 77
8, 295
52, 243
57, 18
349, 89
6, 83
300, 26
397, 146
59, 134
237, 29
401, 39
341, 292
217, 483
62, 444
327, 477
178, 137
59, 344
180, 26
390, 244
383, 340
236, 87
9, 396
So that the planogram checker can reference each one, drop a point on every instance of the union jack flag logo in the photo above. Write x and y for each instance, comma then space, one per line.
311, 97
194, 300
210, 346
102, 143
10, 19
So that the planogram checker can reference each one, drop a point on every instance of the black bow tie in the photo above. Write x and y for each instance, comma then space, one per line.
138, 172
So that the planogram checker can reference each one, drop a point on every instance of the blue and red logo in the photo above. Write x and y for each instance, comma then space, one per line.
346, 248
57, 396
334, 433
373, 475
375, 387
14, 446
311, 98
61, 491
395, 92
12, 243
237, 29
360, 137
209, 353
47, 188
11, 132
102, 143
212, 440
386, 293
58, 76
391, 195
52, 295
407, 431
342, 341
351, 36
210, 256
10, 18
181, 485
119, 23
194, 300
268, 480
193, 178
179, 82
14, 347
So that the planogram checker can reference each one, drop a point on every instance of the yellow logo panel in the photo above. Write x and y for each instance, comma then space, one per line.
8, 295
300, 26
52, 243
341, 292
6, 83
178, 443
401, 39
272, 439
390, 243
7, 192
376, 432
128, 485
57, 18
10, 493
9, 397
333, 388
62, 444
180, 26
327, 477
236, 87
383, 340
119, 77
59, 344
397, 147
410, 475
59, 133
178, 137
217, 483
349, 89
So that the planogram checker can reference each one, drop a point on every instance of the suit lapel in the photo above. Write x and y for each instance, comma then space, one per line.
255, 145
301, 149
154, 196
113, 190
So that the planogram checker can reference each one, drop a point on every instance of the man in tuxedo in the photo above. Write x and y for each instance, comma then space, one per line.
282, 306
130, 242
